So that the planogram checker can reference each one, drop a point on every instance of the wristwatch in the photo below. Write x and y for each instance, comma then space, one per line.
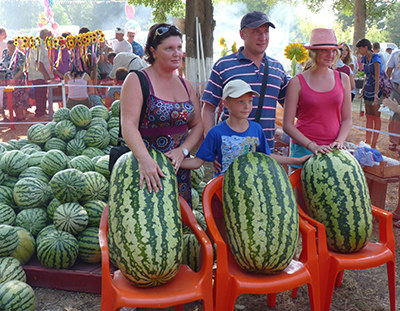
185, 151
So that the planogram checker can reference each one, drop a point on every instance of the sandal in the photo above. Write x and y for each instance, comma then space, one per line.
392, 147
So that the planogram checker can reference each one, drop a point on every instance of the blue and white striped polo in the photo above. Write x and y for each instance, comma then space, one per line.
237, 66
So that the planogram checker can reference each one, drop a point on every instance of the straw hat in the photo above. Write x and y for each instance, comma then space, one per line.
323, 38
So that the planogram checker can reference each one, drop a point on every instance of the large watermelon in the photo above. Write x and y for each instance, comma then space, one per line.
80, 115
336, 194
260, 212
70, 217
100, 112
17, 296
39, 133
145, 228
13, 162
96, 187
65, 130
89, 247
82, 163
30, 192
61, 114
32, 219
54, 161
11, 269
97, 136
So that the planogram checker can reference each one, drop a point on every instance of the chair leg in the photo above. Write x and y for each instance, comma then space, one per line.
339, 279
392, 284
327, 289
271, 300
314, 297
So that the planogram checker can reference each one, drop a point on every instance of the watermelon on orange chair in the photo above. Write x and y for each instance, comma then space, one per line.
332, 264
231, 281
186, 286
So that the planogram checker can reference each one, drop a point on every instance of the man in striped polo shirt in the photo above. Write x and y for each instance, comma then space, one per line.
248, 64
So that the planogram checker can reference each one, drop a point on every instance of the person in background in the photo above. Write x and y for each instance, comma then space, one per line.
347, 59
370, 92
320, 99
78, 89
393, 72
64, 64
104, 65
39, 73
248, 64
114, 92
136, 46
376, 48
172, 123
13, 62
119, 44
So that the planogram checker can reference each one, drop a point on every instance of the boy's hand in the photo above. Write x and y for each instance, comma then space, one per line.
217, 166
302, 159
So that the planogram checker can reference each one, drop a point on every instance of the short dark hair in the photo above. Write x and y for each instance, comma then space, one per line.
121, 74
84, 30
364, 42
112, 54
154, 40
10, 42
376, 45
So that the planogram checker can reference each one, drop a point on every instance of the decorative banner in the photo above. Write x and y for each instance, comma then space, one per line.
48, 16
132, 25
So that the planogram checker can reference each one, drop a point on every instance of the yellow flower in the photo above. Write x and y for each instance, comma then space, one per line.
234, 47
296, 51
222, 41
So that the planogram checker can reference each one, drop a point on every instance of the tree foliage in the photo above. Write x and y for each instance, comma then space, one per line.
162, 8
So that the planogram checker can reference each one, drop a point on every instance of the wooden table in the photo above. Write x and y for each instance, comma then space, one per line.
378, 186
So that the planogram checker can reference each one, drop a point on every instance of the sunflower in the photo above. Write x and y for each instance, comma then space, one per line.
296, 51
222, 41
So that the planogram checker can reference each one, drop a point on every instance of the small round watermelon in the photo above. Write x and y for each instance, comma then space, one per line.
68, 185
80, 115
70, 217
17, 296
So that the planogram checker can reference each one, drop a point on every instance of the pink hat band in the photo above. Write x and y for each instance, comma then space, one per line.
323, 38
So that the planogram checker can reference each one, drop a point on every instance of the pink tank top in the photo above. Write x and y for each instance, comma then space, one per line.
81, 90
319, 113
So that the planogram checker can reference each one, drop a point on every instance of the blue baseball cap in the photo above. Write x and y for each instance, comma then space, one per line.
255, 19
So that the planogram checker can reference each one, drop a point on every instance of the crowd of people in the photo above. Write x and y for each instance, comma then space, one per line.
18, 67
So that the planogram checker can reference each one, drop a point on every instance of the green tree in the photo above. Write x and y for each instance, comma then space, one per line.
362, 10
393, 25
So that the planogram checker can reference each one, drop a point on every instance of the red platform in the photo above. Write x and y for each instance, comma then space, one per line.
82, 277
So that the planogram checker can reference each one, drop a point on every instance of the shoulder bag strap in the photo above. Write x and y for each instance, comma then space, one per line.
144, 84
262, 93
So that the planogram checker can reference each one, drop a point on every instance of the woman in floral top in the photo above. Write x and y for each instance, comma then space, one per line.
13, 62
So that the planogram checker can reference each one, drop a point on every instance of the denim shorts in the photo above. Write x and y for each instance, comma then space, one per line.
297, 151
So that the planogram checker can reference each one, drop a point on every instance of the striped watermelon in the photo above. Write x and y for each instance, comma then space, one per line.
336, 193
55, 143
7, 146
57, 250
200, 220
2, 177
35, 172
45, 232
97, 136
2, 148
107, 149
92, 152
13, 162
51, 208
96, 187
53, 162
145, 228
29, 151
33, 220
68, 185
70, 217
7, 196
260, 212
98, 121
94, 160
80, 134
52, 128
195, 199
113, 122
30, 192
26, 246
39, 133
101, 166
17, 296
10, 181
65, 130
36, 158
31, 146
114, 132
89, 247
80, 115
14, 144
76, 146
7, 215
191, 252
115, 107
11, 269
99, 112
197, 176
61, 114
82, 163
94, 210
8, 240
22, 142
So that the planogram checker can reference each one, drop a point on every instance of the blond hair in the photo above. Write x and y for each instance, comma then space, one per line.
314, 58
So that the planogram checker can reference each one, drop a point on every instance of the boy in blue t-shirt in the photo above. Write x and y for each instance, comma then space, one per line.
236, 135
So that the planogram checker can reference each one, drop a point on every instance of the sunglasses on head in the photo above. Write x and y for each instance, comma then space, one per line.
162, 30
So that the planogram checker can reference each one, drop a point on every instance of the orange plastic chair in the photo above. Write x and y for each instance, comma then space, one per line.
186, 286
332, 264
231, 281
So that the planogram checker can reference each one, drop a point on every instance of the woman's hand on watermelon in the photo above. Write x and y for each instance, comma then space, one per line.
337, 144
150, 172
319, 148
176, 156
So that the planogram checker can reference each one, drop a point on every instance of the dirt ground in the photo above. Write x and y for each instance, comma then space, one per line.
364, 290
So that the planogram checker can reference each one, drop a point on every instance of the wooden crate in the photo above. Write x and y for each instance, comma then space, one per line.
383, 170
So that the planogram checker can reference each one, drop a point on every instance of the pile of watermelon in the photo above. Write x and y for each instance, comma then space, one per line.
53, 189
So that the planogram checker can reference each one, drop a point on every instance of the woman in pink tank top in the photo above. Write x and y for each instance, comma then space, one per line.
320, 98
78, 89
